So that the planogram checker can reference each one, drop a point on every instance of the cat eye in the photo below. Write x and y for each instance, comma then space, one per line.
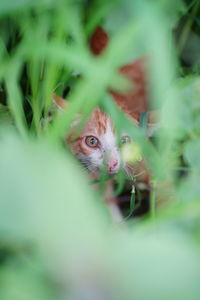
125, 139
91, 141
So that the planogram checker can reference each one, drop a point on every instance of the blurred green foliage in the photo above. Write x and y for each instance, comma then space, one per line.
57, 238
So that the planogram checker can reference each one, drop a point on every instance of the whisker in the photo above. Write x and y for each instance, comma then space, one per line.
130, 168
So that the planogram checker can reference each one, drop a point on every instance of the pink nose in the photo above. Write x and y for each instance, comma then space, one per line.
112, 165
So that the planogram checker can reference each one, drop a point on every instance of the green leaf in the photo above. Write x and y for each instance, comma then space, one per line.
191, 153
5, 115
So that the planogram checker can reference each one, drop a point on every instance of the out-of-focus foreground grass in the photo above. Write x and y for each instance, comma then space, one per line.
57, 238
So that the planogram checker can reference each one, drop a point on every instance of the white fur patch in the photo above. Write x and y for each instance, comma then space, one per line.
108, 151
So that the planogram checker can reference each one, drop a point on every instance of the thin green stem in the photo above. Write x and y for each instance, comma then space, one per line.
187, 27
152, 201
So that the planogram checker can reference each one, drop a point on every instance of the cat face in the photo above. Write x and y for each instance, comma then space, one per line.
96, 146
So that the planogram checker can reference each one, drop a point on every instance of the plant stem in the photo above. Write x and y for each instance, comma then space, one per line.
152, 201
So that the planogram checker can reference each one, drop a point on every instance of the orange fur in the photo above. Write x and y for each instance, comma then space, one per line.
60, 102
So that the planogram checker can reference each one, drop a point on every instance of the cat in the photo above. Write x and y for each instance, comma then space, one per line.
97, 148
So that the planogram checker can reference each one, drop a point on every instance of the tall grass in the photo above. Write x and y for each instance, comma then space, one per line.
58, 239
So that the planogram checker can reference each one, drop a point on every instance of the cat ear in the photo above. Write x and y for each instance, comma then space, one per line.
59, 101
61, 104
